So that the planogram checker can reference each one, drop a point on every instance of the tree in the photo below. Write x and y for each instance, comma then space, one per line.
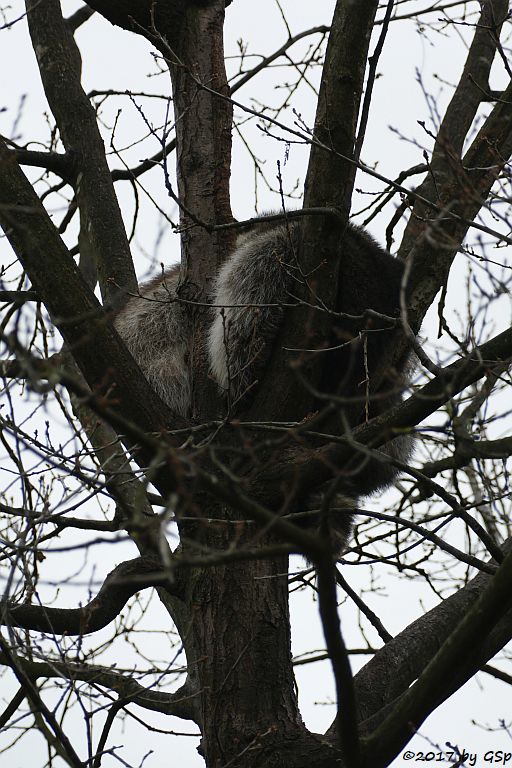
128, 467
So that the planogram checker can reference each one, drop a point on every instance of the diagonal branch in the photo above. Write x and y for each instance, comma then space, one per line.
59, 63
437, 681
329, 183
472, 86
178, 704
102, 357
121, 583
461, 111
458, 185
395, 666
439, 237
33, 696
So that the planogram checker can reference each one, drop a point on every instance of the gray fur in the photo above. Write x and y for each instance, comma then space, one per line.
251, 293
250, 296
153, 326
250, 290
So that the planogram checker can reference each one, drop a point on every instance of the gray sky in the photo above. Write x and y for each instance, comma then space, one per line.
415, 70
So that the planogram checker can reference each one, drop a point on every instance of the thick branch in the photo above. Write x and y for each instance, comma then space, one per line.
460, 113
203, 118
178, 704
471, 88
18, 297
463, 193
60, 67
395, 666
123, 582
102, 357
329, 182
456, 185
440, 677
79, 17
190, 36
55, 162
330, 178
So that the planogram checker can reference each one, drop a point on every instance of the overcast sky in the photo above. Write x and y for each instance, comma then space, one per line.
416, 71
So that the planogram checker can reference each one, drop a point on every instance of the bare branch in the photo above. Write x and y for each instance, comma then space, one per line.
60, 66
329, 183
307, 469
78, 315
395, 666
35, 700
436, 681
178, 704
121, 583
79, 17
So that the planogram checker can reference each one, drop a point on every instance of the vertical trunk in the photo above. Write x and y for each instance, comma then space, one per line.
203, 114
240, 617
241, 631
